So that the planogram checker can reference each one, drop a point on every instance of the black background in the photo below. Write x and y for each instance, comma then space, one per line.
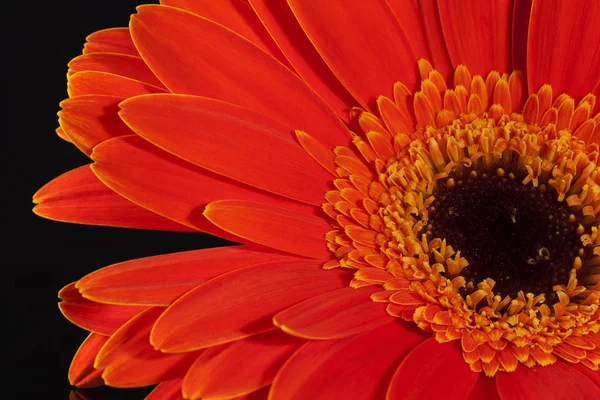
41, 256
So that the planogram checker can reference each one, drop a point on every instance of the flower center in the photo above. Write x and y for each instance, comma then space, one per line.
474, 213
517, 235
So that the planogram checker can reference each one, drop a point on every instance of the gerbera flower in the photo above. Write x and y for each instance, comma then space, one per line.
414, 187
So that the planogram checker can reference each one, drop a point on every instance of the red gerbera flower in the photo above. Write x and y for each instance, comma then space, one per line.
414, 186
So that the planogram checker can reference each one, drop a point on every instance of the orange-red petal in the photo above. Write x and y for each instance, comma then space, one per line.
363, 44
160, 280
283, 26
343, 312
146, 175
356, 368
433, 370
477, 34
224, 66
128, 350
240, 367
240, 303
113, 40
96, 82
91, 119
234, 15
557, 381
129, 66
562, 47
99, 318
81, 371
229, 140
79, 197
270, 226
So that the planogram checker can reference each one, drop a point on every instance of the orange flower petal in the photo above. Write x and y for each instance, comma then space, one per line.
79, 197
217, 373
129, 349
485, 388
156, 180
435, 37
236, 16
557, 381
477, 34
132, 67
227, 67
283, 26
357, 368
444, 365
270, 226
167, 390
343, 312
82, 372
103, 319
160, 280
114, 40
363, 44
91, 119
260, 152
409, 17
552, 57
96, 82
234, 314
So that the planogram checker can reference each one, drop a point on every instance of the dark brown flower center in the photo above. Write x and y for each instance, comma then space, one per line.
517, 235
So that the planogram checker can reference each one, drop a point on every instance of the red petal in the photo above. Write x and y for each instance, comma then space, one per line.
229, 68
171, 187
82, 372
477, 34
119, 64
238, 17
593, 375
354, 368
484, 389
160, 280
78, 196
114, 40
563, 46
167, 390
94, 82
91, 119
240, 303
433, 370
283, 26
334, 315
363, 44
430, 17
557, 381
229, 140
520, 30
240, 367
129, 350
409, 17
273, 227
103, 319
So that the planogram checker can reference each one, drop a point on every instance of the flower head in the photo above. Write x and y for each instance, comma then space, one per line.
414, 186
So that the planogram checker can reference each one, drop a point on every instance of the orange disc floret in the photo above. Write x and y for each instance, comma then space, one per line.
393, 205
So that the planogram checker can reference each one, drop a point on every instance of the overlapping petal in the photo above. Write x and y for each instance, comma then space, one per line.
197, 128
78, 196
229, 68
160, 280
229, 314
